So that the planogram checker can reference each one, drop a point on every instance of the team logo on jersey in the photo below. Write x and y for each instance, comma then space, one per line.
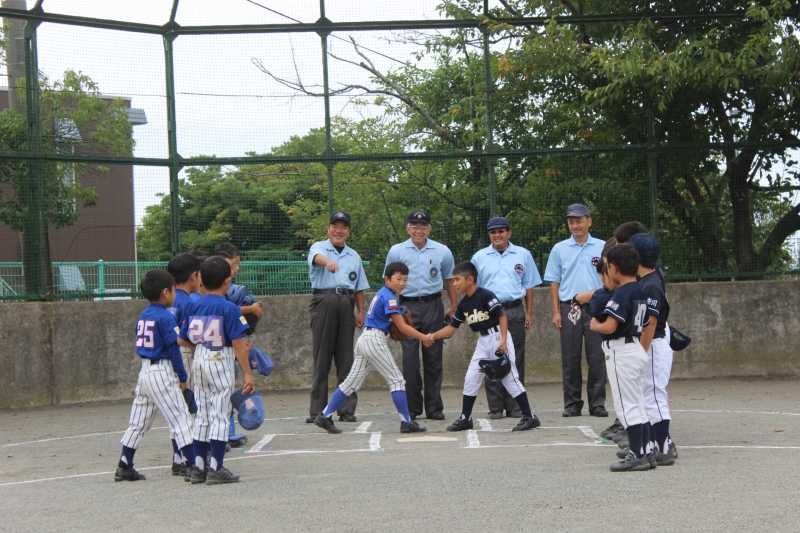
434, 272
392, 303
595, 261
243, 320
352, 276
477, 316
612, 305
177, 330
519, 269
493, 302
652, 302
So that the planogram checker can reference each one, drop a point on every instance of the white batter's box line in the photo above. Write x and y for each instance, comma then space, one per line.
362, 427
509, 430
733, 412
265, 440
375, 441
589, 433
472, 439
484, 424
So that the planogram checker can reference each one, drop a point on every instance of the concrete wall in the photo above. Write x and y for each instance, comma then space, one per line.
61, 353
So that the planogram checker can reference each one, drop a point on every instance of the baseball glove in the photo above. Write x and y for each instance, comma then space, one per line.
188, 397
395, 333
497, 368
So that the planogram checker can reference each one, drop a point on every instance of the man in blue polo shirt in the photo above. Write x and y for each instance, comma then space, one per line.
337, 284
511, 274
430, 266
571, 269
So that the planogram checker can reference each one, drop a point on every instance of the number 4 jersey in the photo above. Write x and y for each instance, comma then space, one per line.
213, 322
628, 305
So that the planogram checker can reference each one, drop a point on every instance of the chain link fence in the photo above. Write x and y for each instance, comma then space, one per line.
128, 135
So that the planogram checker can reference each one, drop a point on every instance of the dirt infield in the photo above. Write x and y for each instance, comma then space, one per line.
739, 466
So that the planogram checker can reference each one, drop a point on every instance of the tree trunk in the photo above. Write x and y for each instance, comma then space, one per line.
742, 202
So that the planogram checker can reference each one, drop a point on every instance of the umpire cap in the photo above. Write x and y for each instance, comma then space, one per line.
250, 408
497, 223
418, 217
340, 216
578, 210
647, 246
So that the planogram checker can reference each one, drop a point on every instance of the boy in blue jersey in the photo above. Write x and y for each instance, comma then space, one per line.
626, 316
372, 351
185, 268
162, 369
217, 330
251, 311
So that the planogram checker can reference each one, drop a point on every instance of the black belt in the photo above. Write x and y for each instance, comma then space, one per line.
628, 340
337, 290
426, 298
368, 328
153, 361
512, 304
489, 331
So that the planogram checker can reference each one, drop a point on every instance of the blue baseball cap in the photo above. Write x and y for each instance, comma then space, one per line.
418, 217
340, 216
577, 210
647, 246
497, 223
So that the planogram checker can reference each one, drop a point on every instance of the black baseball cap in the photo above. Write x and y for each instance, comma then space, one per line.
418, 217
340, 216
577, 210
497, 223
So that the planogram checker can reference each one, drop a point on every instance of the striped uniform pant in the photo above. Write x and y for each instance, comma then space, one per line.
157, 388
213, 379
658, 372
372, 352
484, 349
626, 367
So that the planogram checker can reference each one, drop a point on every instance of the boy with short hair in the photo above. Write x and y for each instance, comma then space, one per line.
157, 386
484, 313
372, 350
626, 316
185, 269
217, 330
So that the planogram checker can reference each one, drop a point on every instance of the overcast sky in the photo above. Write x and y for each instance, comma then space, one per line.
225, 105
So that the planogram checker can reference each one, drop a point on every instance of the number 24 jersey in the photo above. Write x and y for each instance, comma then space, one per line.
213, 322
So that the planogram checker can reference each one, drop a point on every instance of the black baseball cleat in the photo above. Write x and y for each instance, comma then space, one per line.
525, 423
599, 411
461, 424
496, 415
127, 473
310, 419
411, 427
348, 418
326, 423
631, 463
198, 475
436, 416
220, 476
652, 458
238, 443
570, 412
623, 452
667, 458
178, 469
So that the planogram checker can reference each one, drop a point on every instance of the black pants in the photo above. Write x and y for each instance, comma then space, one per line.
332, 326
427, 316
574, 337
496, 395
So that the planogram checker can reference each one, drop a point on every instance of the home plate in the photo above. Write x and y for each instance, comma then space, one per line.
427, 439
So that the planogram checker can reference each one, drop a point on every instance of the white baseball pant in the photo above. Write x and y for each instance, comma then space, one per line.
657, 378
157, 388
372, 352
484, 349
213, 378
626, 366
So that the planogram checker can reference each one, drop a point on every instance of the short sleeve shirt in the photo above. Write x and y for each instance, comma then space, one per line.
349, 275
628, 305
182, 299
213, 322
653, 287
480, 311
383, 305
574, 266
428, 267
508, 274
156, 332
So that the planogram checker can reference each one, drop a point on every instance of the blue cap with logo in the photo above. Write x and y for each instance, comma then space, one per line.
340, 216
418, 217
577, 210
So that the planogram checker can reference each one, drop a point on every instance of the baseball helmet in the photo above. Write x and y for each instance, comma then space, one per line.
497, 368
250, 408
260, 361
677, 339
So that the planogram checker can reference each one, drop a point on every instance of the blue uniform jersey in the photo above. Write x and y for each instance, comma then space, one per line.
574, 266
383, 305
628, 305
213, 322
349, 275
508, 274
182, 299
157, 336
428, 267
